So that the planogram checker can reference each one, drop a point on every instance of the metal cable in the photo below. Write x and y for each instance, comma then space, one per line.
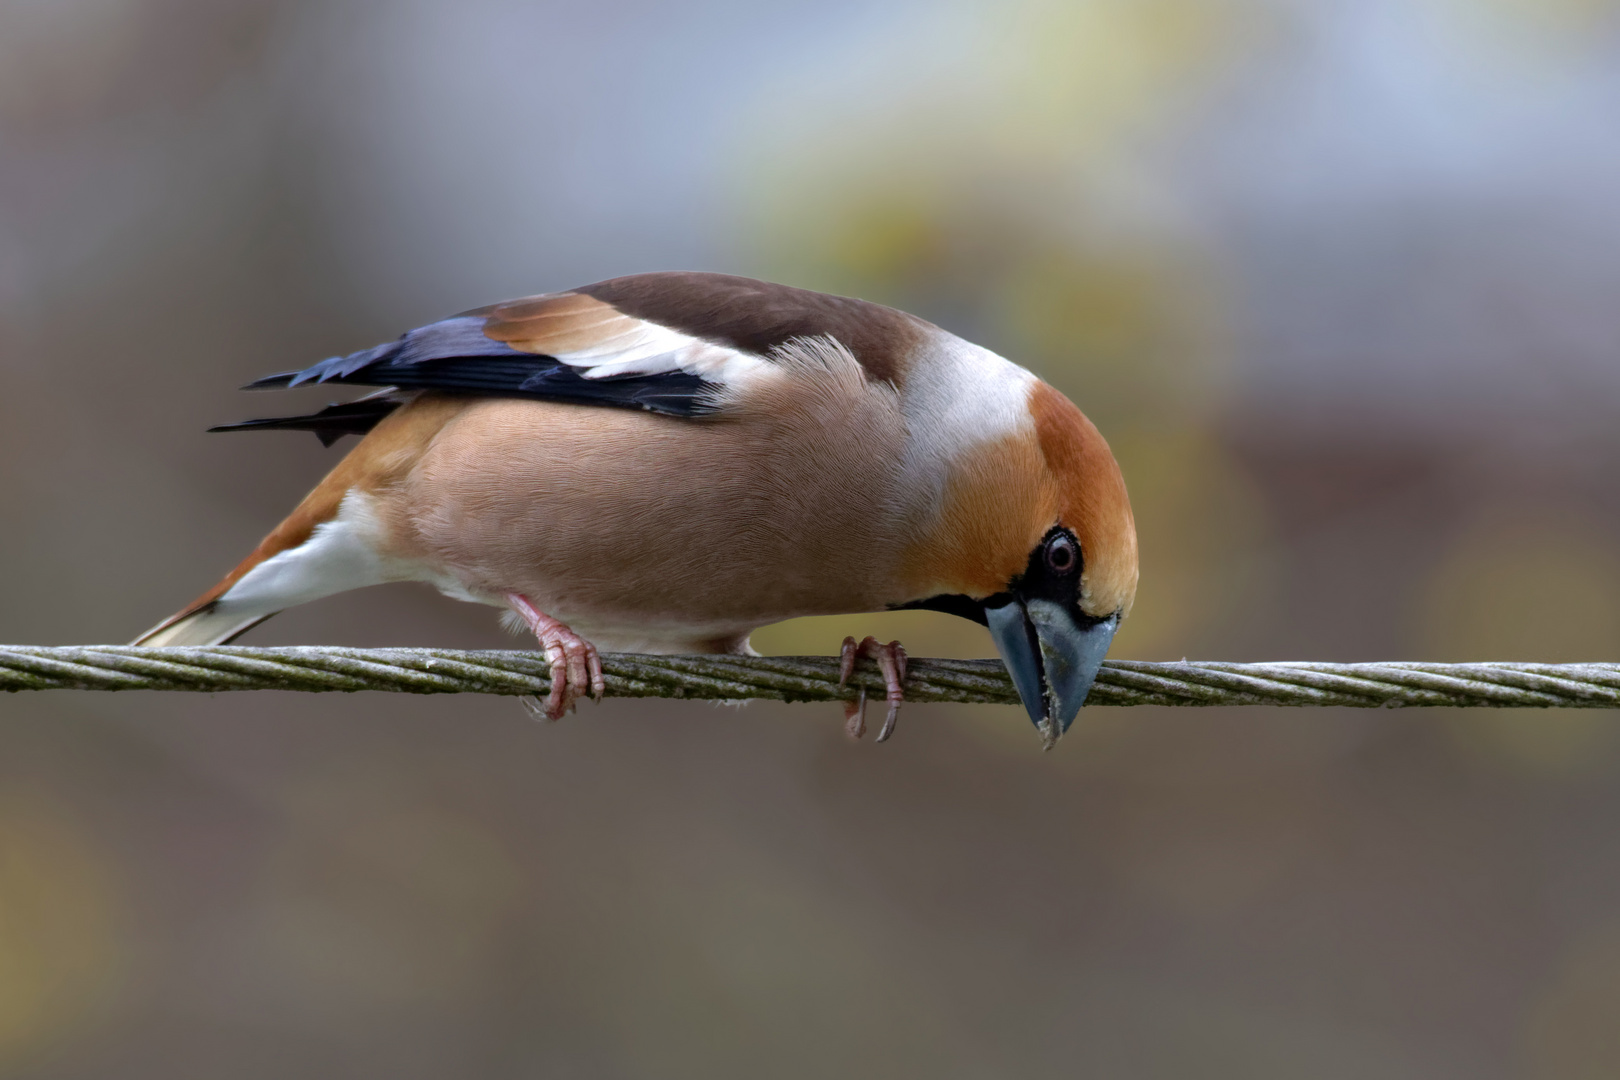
801, 678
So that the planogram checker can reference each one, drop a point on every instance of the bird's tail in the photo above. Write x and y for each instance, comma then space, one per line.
289, 567
331, 543
205, 625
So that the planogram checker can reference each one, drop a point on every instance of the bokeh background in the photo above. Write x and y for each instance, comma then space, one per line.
1340, 281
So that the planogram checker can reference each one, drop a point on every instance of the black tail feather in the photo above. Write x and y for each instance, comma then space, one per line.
330, 424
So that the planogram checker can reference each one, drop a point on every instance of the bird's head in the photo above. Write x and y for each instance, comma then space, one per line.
1035, 540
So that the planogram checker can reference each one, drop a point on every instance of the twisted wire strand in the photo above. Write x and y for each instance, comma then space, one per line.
801, 678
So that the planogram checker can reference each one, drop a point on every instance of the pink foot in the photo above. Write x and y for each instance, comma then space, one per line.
574, 661
891, 660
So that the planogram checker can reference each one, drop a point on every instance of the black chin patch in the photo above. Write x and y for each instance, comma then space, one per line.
951, 604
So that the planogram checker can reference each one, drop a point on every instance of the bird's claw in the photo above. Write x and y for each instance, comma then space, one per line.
891, 660
855, 715
574, 662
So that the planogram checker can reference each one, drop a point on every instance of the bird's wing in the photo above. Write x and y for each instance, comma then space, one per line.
668, 343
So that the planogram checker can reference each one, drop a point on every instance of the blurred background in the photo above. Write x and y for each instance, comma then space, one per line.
1339, 280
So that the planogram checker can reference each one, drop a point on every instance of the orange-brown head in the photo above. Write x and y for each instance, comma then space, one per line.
1091, 502
1036, 540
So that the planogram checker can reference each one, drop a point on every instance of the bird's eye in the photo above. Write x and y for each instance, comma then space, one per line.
1062, 554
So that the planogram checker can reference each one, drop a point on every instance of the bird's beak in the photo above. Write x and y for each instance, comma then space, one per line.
1052, 656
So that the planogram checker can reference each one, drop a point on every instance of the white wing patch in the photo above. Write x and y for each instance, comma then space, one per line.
644, 348
603, 343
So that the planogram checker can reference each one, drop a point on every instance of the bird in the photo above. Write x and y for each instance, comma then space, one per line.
666, 462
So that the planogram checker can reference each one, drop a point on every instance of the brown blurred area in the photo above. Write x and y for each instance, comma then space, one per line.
1340, 281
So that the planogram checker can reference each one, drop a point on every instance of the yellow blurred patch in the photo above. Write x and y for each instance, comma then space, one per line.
1131, 332
59, 952
1524, 585
1527, 585
1201, 524
888, 237
1003, 135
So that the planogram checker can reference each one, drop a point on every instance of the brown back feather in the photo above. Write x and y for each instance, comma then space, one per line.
754, 316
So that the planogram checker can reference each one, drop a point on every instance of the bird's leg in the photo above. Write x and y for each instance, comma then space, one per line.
891, 660
574, 661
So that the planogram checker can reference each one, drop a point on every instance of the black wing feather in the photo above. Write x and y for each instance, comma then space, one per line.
455, 355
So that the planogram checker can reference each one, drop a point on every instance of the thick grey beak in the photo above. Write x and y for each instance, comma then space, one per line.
1052, 658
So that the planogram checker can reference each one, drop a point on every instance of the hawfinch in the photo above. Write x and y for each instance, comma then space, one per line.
666, 462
